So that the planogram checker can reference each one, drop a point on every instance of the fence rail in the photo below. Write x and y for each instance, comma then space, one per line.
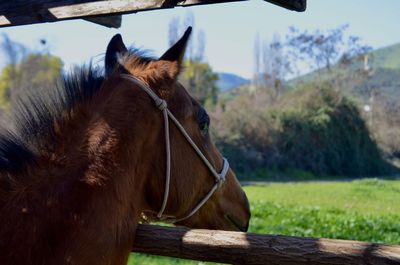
252, 249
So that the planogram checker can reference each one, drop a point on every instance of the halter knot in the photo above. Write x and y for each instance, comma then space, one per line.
220, 181
222, 176
161, 104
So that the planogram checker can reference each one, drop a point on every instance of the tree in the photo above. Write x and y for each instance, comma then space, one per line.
26, 71
321, 49
200, 80
189, 20
173, 30
196, 46
14, 52
271, 65
257, 60
198, 54
198, 76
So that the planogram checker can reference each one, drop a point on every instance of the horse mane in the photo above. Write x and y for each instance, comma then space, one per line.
34, 115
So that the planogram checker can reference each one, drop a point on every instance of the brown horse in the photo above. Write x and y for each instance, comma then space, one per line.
83, 163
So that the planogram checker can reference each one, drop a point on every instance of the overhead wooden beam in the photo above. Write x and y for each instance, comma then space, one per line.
108, 21
294, 5
22, 12
255, 249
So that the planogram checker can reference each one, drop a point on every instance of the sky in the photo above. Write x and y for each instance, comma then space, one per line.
230, 30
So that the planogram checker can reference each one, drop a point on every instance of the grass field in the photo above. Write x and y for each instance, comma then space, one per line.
366, 210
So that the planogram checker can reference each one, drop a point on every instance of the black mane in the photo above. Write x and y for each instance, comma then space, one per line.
33, 116
35, 113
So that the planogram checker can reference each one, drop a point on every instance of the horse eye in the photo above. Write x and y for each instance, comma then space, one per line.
204, 121
204, 126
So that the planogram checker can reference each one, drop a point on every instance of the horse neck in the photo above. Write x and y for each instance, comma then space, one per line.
99, 158
88, 186
80, 202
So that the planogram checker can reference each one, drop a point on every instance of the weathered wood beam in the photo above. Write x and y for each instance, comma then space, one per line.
252, 249
22, 12
295, 5
109, 21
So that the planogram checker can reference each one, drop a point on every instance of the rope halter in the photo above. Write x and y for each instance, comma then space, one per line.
219, 177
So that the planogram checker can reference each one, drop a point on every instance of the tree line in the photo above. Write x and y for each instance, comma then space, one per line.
300, 112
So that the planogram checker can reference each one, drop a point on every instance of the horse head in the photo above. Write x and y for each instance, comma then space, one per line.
186, 180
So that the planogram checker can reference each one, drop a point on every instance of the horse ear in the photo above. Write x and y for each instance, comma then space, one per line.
177, 51
115, 48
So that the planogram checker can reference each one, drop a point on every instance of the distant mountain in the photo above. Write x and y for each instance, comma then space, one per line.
228, 81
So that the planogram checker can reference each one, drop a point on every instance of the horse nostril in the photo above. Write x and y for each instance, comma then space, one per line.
237, 224
247, 225
245, 228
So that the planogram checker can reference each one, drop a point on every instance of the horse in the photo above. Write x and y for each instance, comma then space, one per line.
108, 148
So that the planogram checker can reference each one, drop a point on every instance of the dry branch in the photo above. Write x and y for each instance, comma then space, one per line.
251, 249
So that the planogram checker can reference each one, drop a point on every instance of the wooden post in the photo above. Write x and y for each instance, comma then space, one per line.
252, 249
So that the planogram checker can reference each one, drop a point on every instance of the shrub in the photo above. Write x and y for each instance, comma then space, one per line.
314, 129
325, 134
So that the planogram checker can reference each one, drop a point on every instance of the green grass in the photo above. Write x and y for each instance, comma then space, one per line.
366, 210
368, 196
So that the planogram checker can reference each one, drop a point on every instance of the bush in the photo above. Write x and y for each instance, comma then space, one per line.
325, 134
314, 129
383, 121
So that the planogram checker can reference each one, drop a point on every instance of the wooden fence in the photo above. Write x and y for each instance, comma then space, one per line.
252, 249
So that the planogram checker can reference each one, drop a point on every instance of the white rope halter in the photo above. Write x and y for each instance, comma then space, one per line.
219, 177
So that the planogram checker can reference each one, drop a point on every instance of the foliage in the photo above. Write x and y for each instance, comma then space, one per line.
321, 49
313, 128
327, 136
26, 71
374, 88
200, 80
272, 65
365, 210
5, 87
383, 119
197, 76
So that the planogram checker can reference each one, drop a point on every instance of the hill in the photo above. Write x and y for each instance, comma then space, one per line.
228, 81
388, 57
382, 78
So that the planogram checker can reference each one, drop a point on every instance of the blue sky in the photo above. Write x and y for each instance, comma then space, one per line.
230, 29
